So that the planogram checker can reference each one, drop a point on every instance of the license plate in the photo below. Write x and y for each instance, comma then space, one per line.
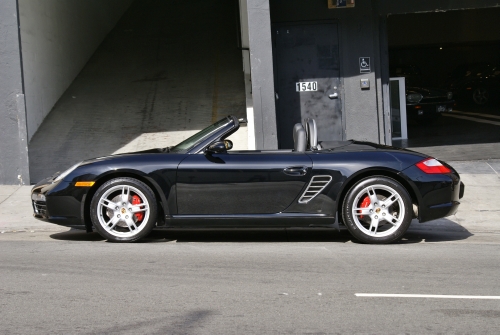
306, 86
441, 109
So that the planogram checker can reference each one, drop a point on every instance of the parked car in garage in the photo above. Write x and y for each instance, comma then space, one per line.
422, 103
427, 103
477, 83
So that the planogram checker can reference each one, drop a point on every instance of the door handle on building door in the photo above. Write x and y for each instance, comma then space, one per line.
333, 95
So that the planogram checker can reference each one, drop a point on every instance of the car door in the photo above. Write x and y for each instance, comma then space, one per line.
243, 182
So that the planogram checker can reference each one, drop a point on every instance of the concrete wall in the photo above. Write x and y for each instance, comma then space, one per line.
261, 62
359, 37
13, 143
58, 37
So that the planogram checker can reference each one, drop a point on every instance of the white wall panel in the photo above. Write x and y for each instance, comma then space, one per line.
58, 37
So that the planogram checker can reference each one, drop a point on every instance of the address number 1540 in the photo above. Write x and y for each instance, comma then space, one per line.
306, 86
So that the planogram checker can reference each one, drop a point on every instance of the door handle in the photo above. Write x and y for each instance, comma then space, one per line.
296, 170
333, 96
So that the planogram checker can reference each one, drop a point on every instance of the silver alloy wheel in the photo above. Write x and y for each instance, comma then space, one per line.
386, 210
480, 96
115, 211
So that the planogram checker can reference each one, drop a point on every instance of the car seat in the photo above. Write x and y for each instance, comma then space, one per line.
312, 134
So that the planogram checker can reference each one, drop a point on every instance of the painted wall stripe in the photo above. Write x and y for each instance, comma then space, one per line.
478, 114
473, 119
435, 296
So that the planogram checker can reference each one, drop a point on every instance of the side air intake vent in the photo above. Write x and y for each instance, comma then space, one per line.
316, 185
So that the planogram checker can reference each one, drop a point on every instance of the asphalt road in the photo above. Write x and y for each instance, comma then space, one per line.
246, 282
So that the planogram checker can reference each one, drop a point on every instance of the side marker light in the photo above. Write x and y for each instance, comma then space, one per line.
85, 183
432, 166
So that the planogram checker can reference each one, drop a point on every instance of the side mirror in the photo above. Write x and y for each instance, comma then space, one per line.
228, 144
217, 147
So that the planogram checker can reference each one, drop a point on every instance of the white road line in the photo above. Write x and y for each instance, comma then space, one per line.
478, 114
436, 296
473, 119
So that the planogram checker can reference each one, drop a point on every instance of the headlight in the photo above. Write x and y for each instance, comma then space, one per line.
67, 172
414, 98
450, 95
38, 197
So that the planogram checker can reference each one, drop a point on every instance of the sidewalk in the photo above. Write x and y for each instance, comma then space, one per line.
16, 211
478, 213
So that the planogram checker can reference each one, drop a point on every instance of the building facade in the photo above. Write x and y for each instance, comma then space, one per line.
294, 59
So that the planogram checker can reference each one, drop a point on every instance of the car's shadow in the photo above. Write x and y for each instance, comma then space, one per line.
445, 231
239, 235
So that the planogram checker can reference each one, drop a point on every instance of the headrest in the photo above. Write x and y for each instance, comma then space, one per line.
299, 138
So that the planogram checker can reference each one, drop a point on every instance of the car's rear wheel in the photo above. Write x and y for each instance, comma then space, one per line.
481, 96
377, 210
123, 210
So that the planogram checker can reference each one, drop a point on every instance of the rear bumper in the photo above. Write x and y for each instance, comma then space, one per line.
440, 211
439, 193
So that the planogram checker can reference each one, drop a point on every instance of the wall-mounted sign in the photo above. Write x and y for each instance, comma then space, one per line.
306, 86
364, 65
340, 3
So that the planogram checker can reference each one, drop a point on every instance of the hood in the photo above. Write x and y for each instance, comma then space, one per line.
103, 158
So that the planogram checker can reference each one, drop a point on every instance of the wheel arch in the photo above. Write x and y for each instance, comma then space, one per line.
393, 174
160, 197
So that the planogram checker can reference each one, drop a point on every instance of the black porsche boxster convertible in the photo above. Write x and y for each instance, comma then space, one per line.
374, 190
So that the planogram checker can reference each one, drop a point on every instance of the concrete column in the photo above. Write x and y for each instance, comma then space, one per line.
14, 167
261, 63
245, 53
385, 135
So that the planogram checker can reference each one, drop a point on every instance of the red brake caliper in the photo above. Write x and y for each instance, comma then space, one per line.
365, 203
137, 201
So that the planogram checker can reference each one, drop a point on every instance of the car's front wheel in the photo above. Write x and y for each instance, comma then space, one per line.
123, 210
377, 210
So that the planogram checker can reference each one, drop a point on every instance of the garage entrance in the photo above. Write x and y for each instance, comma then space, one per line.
307, 79
166, 70
458, 53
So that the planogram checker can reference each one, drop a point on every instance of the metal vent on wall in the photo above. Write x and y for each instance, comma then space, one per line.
316, 185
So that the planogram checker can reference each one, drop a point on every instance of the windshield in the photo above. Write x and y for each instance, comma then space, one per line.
199, 136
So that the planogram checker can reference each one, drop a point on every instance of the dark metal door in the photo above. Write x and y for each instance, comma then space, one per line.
241, 183
307, 79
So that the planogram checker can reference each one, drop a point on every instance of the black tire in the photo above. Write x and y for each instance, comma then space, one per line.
372, 223
481, 96
122, 222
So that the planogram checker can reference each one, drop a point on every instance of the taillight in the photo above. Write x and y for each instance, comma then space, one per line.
432, 166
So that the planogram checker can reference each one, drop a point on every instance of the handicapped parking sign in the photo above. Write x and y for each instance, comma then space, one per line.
364, 65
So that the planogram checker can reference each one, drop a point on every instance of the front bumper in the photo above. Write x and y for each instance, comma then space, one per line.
428, 110
59, 203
